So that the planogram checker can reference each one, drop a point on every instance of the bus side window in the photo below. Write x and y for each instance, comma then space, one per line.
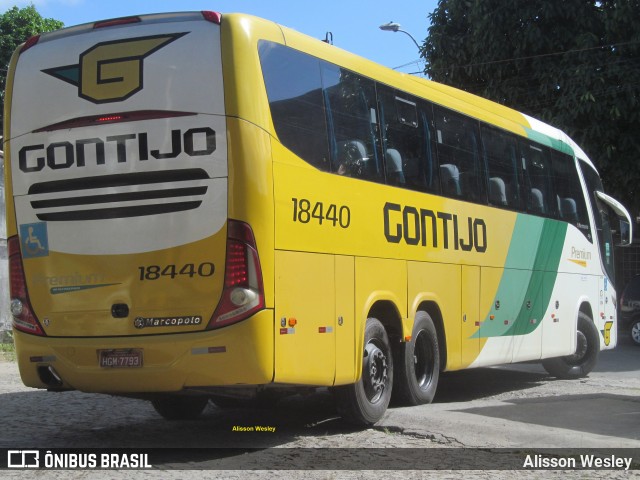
537, 179
351, 113
572, 207
461, 172
406, 140
500, 151
294, 90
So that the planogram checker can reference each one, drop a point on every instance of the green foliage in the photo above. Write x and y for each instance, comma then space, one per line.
16, 26
7, 347
574, 64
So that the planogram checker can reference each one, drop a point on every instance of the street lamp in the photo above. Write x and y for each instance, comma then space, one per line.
395, 27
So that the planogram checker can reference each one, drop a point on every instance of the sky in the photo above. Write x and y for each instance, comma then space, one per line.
354, 23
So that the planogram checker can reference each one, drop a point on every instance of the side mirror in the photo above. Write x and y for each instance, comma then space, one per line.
626, 229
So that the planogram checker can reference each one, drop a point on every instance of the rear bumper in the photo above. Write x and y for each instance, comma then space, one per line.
241, 354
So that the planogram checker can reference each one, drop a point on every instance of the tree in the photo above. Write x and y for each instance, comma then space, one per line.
574, 64
16, 26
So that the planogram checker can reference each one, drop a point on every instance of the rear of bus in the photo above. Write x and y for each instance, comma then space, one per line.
132, 269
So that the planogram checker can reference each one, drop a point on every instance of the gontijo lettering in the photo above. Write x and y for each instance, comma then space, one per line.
425, 227
59, 155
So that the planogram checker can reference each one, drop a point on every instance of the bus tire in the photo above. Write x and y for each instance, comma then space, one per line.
584, 360
418, 364
634, 331
364, 402
179, 407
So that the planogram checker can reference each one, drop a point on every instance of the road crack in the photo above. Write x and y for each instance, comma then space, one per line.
438, 438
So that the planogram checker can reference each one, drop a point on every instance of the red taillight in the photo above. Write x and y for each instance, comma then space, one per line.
116, 21
213, 17
30, 43
92, 120
23, 316
243, 293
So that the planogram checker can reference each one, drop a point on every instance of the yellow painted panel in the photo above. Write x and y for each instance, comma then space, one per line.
470, 344
324, 212
438, 283
345, 315
251, 190
72, 295
305, 344
241, 354
380, 279
12, 227
245, 94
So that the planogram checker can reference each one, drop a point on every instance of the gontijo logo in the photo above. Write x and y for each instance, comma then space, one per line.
112, 71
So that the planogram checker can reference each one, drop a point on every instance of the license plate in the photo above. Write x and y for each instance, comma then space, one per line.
120, 358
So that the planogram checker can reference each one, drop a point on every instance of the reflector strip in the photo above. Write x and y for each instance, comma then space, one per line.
112, 118
207, 350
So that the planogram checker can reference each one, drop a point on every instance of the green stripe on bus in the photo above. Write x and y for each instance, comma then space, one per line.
550, 142
542, 241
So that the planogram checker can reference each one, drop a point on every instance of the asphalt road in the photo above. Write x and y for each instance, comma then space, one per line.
517, 407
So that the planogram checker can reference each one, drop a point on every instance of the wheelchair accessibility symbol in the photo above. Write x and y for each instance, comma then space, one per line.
34, 240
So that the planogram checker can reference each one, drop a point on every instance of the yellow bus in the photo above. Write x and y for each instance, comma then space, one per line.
215, 207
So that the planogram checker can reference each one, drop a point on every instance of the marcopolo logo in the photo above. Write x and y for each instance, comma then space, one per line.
186, 321
112, 71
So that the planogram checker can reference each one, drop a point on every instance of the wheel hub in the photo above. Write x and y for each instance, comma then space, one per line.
375, 372
635, 332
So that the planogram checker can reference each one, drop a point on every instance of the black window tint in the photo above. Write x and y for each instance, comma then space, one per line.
294, 90
501, 156
461, 173
570, 199
350, 101
407, 140
537, 180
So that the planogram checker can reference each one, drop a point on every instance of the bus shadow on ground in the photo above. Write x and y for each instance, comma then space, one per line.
83, 420
474, 384
601, 414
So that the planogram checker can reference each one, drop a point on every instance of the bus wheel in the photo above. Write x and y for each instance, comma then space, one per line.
179, 407
364, 402
584, 360
635, 331
418, 364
